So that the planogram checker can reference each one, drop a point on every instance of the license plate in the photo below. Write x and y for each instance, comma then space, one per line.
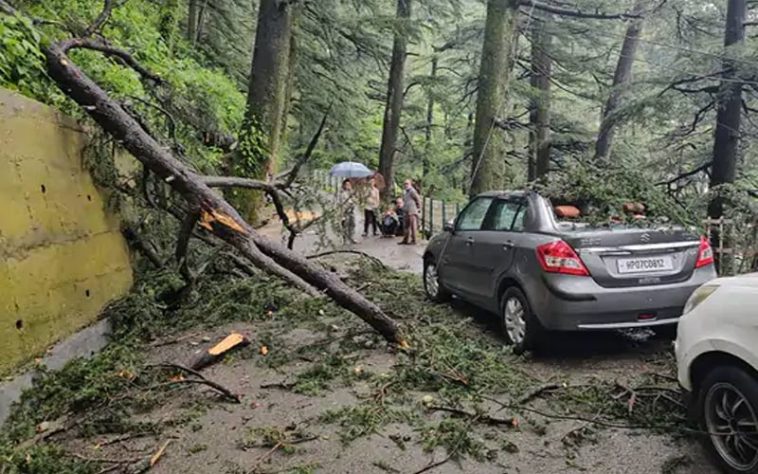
645, 264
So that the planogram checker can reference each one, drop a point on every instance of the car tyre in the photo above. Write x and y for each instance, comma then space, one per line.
728, 398
519, 325
433, 285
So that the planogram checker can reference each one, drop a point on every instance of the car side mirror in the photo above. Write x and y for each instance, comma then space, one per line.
449, 227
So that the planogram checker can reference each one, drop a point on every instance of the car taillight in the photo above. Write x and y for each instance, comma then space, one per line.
559, 257
704, 254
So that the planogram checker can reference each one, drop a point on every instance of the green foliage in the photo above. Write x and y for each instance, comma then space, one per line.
455, 436
602, 190
44, 459
21, 61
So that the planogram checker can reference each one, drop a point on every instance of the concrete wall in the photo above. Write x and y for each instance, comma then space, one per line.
62, 258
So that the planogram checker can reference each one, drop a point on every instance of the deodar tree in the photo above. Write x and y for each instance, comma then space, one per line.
261, 136
395, 94
729, 115
500, 32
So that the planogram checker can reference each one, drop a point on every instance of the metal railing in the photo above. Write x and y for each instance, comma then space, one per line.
737, 251
435, 213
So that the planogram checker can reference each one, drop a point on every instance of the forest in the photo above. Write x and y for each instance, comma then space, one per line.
595, 102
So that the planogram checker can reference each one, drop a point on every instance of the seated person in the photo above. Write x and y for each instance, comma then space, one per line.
400, 213
389, 223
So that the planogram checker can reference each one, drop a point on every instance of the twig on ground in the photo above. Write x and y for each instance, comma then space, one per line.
382, 392
490, 420
450, 455
536, 392
58, 426
265, 456
201, 380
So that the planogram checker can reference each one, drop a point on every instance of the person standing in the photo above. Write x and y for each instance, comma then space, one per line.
371, 207
411, 205
347, 202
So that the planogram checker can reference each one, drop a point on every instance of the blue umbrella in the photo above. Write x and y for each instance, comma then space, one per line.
350, 169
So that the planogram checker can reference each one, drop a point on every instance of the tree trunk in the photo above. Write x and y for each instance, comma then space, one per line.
169, 21
217, 215
394, 106
430, 117
727, 138
192, 21
539, 116
488, 168
260, 138
621, 79
291, 75
200, 22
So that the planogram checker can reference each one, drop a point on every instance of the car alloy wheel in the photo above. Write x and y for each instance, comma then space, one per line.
515, 322
732, 425
431, 281
432, 285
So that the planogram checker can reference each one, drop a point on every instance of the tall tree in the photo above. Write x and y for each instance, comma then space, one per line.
430, 117
192, 16
394, 105
621, 79
728, 117
261, 136
488, 168
539, 114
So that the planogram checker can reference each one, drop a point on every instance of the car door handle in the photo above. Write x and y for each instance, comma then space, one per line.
508, 246
470, 241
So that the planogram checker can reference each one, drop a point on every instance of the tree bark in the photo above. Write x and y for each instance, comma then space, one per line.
394, 105
260, 138
539, 116
200, 22
488, 168
192, 21
430, 118
216, 214
621, 78
728, 117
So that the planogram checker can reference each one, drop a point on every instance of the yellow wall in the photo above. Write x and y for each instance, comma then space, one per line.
62, 259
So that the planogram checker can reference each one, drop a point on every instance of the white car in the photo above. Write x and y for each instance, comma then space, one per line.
717, 357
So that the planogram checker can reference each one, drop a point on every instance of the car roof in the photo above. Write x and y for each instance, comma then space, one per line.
505, 194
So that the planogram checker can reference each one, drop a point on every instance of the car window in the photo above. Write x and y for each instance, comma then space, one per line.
472, 217
520, 221
501, 217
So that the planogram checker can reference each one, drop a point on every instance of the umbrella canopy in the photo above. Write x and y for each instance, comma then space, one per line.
350, 169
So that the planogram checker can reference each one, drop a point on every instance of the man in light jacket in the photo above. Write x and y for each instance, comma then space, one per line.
411, 205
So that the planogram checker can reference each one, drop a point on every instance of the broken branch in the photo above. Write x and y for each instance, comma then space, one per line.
201, 380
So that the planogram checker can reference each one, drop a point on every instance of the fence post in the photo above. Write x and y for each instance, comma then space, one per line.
444, 214
423, 215
431, 216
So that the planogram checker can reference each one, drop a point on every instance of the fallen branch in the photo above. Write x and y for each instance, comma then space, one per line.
137, 242
217, 215
490, 420
201, 380
531, 395
453, 452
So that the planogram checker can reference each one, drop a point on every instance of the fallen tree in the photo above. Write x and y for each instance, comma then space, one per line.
205, 207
